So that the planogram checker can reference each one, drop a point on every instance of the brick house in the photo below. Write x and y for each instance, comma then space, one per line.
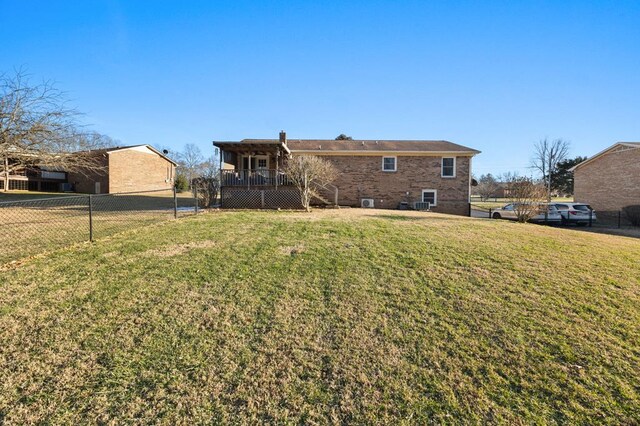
126, 169
32, 178
610, 180
375, 173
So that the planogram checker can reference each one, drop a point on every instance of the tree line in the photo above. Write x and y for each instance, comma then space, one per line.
550, 159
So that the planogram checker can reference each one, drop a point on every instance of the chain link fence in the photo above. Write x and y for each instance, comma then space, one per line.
604, 219
30, 227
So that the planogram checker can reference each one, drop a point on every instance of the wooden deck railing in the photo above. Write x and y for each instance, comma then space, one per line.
251, 178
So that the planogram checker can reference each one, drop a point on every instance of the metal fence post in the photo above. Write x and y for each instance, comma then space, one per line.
490, 215
195, 198
90, 218
590, 218
262, 199
619, 217
175, 203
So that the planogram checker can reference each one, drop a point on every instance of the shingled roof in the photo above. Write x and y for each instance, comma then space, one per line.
122, 148
612, 148
355, 146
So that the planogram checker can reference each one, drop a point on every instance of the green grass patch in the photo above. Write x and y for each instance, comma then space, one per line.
336, 316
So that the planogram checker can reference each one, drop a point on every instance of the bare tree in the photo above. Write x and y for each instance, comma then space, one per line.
526, 195
307, 172
37, 128
546, 157
488, 186
190, 160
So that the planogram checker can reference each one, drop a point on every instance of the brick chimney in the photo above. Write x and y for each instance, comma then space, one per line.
283, 137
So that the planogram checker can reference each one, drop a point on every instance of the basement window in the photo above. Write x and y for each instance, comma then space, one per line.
430, 196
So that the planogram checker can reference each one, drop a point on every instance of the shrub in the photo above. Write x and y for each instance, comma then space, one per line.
633, 214
526, 195
206, 189
306, 172
181, 183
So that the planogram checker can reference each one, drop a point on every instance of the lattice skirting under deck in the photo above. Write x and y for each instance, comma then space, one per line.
285, 198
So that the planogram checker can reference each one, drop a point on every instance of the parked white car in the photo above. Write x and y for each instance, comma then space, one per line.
578, 213
509, 211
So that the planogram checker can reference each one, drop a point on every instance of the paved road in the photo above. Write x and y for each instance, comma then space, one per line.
479, 213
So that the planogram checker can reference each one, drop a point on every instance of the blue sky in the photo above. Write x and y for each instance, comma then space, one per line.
495, 76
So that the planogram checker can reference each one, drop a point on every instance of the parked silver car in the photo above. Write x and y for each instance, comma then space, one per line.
578, 213
510, 212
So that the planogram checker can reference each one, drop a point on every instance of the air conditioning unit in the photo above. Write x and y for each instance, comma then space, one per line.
422, 206
366, 203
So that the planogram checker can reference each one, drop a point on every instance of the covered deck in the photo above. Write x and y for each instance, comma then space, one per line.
253, 163
251, 175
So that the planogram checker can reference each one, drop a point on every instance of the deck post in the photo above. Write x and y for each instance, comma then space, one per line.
248, 172
277, 176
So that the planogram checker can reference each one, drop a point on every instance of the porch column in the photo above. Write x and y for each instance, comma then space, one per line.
220, 168
277, 175
248, 172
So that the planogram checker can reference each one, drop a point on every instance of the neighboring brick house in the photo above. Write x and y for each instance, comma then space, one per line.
126, 169
384, 172
610, 180
32, 178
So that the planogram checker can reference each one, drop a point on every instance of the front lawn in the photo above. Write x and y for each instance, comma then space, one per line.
336, 316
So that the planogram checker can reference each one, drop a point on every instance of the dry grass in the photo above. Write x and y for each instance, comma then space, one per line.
31, 226
330, 317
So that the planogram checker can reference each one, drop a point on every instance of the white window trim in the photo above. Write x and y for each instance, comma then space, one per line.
435, 196
442, 168
395, 163
262, 157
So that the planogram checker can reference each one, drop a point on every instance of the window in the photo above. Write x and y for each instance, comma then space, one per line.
388, 164
257, 162
430, 196
449, 167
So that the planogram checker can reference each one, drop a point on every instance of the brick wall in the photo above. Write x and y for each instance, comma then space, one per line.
133, 170
85, 181
609, 182
362, 177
